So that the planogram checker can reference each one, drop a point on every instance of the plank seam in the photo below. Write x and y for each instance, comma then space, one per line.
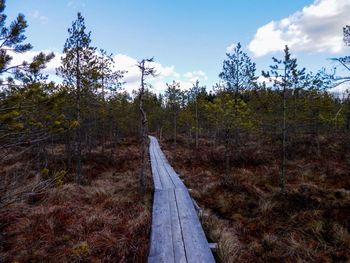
178, 215
157, 168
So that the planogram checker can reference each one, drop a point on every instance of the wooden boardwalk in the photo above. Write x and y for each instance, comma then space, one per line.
177, 235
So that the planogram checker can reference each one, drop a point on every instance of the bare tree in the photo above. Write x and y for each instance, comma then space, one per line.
146, 70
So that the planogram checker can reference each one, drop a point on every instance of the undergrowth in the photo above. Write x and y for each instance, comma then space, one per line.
105, 220
251, 220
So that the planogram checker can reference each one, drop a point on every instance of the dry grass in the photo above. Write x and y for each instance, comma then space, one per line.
107, 220
252, 221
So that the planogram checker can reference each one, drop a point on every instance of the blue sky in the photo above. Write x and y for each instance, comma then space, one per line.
189, 39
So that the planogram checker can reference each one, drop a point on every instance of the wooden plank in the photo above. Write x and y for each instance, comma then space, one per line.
177, 235
154, 161
169, 169
196, 245
167, 183
162, 183
178, 244
161, 235
174, 177
155, 175
164, 177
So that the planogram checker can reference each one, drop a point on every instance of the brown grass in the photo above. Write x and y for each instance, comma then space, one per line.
106, 220
252, 221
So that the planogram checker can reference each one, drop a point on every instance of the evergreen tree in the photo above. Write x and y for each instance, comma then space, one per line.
107, 79
174, 96
76, 70
195, 96
285, 75
345, 63
238, 75
238, 72
12, 39
15, 104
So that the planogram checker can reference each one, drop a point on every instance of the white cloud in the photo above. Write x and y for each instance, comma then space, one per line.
261, 79
193, 76
185, 85
28, 56
165, 74
316, 28
133, 75
126, 63
341, 90
231, 47
36, 15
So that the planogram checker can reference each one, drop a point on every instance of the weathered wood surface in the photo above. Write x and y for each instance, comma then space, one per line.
177, 235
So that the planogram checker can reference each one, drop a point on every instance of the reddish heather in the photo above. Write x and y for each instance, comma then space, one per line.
249, 217
106, 220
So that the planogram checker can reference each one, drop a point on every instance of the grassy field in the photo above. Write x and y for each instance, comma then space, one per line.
105, 220
249, 217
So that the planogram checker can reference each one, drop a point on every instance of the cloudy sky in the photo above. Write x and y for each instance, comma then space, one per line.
189, 39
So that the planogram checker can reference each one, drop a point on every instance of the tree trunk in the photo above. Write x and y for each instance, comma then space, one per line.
227, 157
197, 125
175, 133
144, 124
103, 115
317, 132
68, 150
284, 130
161, 134
79, 177
236, 132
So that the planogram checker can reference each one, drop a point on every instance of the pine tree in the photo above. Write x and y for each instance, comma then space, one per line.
285, 75
238, 75
345, 63
107, 78
195, 92
173, 97
12, 39
29, 81
76, 70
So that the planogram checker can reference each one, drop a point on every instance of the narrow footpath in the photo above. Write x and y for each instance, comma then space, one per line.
176, 235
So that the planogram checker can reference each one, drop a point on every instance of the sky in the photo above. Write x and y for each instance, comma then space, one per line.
189, 39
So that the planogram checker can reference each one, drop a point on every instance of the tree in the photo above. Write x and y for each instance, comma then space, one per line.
174, 97
146, 70
220, 113
238, 75
107, 79
29, 81
238, 71
194, 95
77, 62
29, 106
318, 109
344, 61
288, 79
12, 39
340, 80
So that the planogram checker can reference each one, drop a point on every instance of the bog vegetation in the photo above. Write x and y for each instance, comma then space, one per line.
268, 161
